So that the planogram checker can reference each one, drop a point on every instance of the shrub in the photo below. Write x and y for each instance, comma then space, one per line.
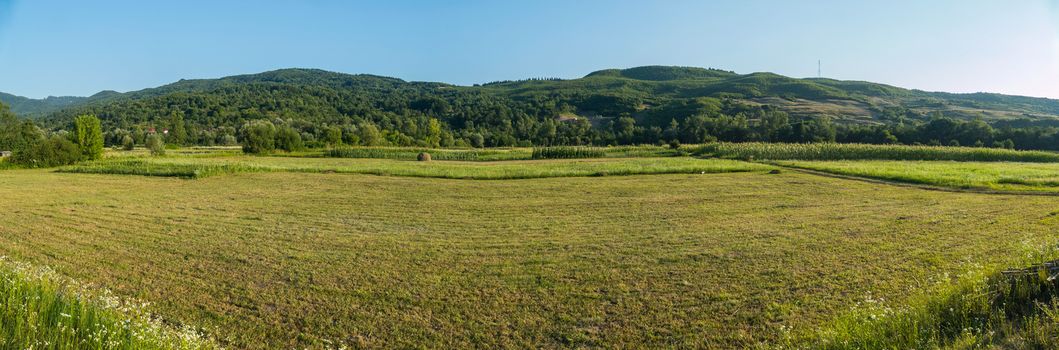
127, 143
288, 139
675, 144
52, 152
156, 145
259, 136
88, 135
423, 157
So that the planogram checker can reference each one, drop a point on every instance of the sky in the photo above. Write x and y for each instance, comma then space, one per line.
68, 47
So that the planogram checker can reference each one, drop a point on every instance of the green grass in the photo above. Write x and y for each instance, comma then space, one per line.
1003, 176
293, 260
836, 151
41, 310
202, 167
149, 167
982, 308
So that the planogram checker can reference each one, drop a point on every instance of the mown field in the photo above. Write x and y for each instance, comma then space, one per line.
280, 258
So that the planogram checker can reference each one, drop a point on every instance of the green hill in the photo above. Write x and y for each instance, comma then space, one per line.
38, 107
539, 110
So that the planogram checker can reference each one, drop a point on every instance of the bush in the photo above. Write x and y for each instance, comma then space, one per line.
228, 140
55, 151
259, 136
127, 143
288, 139
156, 145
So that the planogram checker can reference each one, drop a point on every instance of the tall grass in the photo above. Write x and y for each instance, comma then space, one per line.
836, 151
436, 154
202, 167
40, 310
565, 152
980, 309
148, 167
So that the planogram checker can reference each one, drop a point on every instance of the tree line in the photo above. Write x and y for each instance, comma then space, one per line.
33, 147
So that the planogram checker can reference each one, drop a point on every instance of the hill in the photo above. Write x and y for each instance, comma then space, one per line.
29, 107
548, 111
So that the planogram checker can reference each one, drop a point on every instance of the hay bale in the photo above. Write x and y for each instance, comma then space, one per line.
423, 157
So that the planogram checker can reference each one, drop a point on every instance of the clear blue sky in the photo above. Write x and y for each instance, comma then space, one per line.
67, 47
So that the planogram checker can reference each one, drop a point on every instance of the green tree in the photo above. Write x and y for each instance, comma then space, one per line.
178, 133
88, 136
259, 136
127, 143
369, 134
55, 151
16, 134
155, 144
288, 139
333, 136
433, 137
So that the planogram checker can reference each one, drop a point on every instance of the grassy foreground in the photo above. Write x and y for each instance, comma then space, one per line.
204, 167
41, 310
280, 260
1004, 176
982, 308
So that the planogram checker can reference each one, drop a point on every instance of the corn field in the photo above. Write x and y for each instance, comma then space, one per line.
148, 167
568, 152
435, 154
836, 151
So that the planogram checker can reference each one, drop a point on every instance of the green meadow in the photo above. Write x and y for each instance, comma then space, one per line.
302, 250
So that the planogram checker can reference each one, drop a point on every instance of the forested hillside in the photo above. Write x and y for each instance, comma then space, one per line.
651, 104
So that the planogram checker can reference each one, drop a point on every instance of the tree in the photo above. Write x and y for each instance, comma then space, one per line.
369, 134
155, 144
259, 136
16, 135
288, 139
127, 143
88, 136
333, 136
178, 133
477, 140
433, 137
52, 152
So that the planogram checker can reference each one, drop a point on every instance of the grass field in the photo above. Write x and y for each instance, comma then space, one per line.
1004, 176
283, 259
197, 167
